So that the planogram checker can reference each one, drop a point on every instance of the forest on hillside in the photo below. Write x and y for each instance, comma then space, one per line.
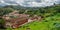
50, 17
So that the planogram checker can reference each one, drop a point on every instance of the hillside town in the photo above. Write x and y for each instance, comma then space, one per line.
15, 20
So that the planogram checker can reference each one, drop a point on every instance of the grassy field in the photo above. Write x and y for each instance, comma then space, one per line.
49, 23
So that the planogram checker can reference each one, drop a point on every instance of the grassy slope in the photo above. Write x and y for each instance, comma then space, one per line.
46, 24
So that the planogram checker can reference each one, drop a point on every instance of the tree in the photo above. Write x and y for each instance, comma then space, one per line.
4, 11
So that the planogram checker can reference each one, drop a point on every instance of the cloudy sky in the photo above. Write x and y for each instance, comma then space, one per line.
29, 3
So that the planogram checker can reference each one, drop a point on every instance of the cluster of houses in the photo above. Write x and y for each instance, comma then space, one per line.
15, 19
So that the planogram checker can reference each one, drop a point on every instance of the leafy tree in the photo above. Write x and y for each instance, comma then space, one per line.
4, 11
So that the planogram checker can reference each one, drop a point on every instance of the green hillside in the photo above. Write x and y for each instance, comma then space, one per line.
50, 17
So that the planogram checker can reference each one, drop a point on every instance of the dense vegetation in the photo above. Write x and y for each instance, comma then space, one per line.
51, 17
4, 11
38, 11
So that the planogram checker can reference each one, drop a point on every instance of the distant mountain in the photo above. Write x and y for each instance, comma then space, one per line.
29, 3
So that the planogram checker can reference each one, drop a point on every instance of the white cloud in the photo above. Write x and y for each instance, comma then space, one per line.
30, 3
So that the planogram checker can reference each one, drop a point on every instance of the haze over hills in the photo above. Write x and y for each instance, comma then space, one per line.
29, 3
